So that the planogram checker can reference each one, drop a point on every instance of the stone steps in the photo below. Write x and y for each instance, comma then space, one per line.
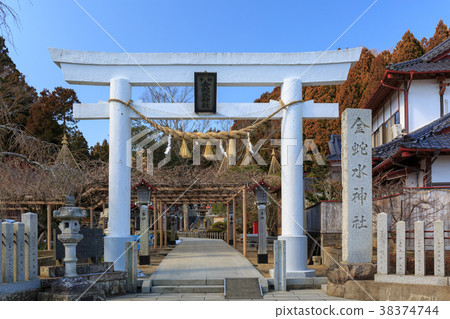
187, 285
188, 289
187, 282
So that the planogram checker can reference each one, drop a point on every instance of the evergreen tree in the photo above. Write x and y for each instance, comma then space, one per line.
376, 73
408, 48
51, 116
78, 144
100, 151
16, 96
441, 33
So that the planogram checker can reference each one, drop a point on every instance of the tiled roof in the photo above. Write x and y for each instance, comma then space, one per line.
427, 137
424, 64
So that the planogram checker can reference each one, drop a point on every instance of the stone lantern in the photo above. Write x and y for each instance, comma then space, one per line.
144, 195
69, 217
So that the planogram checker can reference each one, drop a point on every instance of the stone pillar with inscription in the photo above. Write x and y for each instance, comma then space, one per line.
356, 199
356, 186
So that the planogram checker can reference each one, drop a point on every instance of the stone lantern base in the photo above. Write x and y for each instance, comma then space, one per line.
72, 289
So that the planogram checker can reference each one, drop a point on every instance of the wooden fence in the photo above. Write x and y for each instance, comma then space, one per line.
210, 235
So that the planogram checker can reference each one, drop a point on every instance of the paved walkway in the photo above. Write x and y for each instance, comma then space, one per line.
202, 259
293, 295
196, 258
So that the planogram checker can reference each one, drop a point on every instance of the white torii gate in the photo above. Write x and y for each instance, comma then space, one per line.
121, 71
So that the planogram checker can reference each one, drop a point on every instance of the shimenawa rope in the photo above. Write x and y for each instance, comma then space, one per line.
234, 134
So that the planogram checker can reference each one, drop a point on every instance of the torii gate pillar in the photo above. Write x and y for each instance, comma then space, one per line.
292, 182
119, 174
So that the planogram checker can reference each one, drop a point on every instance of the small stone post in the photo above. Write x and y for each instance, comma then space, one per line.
173, 228
185, 217
155, 223
165, 225
144, 254
228, 223
280, 265
234, 223
91, 217
439, 248
400, 263
49, 227
8, 252
419, 248
131, 265
19, 252
31, 246
160, 223
244, 221
1, 257
382, 243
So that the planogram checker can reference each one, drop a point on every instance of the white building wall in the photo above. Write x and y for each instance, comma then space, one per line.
447, 100
411, 180
402, 109
440, 170
423, 103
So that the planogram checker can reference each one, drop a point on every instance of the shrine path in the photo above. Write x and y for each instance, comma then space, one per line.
200, 260
204, 259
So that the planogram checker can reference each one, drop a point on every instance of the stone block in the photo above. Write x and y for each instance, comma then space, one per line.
382, 243
110, 283
131, 265
439, 248
419, 248
8, 252
335, 289
344, 272
412, 279
19, 252
82, 269
279, 272
31, 246
331, 255
400, 263
146, 286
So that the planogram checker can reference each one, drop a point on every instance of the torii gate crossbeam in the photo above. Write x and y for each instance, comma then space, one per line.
121, 71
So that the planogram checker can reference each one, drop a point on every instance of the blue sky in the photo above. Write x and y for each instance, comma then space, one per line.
205, 26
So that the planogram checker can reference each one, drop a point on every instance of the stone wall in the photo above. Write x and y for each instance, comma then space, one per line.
380, 291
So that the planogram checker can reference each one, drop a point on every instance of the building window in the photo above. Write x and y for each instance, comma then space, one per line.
394, 119
376, 137
384, 133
